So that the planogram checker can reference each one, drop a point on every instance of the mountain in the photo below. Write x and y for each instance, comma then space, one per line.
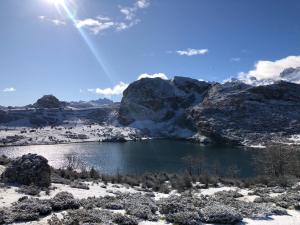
90, 104
49, 102
291, 75
158, 106
233, 112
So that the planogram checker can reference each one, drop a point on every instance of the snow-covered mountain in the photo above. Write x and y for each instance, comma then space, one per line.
232, 112
291, 75
90, 104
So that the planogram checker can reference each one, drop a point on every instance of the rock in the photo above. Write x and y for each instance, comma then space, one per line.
243, 114
158, 106
220, 214
48, 102
30, 169
232, 112
115, 139
63, 201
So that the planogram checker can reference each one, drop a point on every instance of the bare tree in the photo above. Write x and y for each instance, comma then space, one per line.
74, 163
194, 163
277, 161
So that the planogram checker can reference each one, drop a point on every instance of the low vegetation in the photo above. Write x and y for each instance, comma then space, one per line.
277, 172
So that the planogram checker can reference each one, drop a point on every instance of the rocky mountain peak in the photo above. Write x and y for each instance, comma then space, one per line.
49, 101
291, 74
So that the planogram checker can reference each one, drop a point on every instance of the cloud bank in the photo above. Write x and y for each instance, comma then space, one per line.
156, 75
98, 24
116, 90
121, 86
269, 71
95, 25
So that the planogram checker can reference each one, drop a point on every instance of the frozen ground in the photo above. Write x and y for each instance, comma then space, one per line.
64, 134
10, 195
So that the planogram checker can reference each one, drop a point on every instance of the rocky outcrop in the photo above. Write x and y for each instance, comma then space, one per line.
240, 113
233, 112
48, 102
30, 169
158, 106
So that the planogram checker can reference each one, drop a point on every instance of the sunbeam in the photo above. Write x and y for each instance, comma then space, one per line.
63, 4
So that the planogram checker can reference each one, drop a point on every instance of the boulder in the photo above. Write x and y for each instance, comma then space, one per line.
30, 169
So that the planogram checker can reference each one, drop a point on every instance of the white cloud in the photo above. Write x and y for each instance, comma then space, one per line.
56, 22
9, 89
94, 25
116, 90
156, 75
269, 70
192, 52
104, 18
101, 23
130, 12
123, 26
143, 4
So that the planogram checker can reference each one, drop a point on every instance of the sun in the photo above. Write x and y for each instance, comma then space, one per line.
56, 2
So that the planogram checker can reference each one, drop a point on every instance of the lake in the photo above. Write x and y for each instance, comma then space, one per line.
141, 157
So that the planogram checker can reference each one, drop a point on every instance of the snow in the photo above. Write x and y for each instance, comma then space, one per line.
10, 195
65, 134
292, 219
2, 168
295, 138
211, 191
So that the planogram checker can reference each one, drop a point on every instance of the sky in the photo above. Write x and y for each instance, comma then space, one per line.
87, 49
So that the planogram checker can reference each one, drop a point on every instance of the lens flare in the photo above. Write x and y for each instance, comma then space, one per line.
64, 5
56, 2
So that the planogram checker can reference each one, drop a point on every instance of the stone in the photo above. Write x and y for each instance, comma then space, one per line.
30, 169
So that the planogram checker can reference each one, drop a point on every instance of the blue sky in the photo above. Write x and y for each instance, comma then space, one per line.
76, 49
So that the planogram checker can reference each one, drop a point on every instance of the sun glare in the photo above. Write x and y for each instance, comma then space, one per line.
56, 2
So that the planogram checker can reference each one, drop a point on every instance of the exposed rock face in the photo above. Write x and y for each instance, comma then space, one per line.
238, 112
291, 74
148, 102
234, 111
30, 169
90, 104
49, 101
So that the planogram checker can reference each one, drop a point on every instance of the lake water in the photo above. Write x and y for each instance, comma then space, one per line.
141, 157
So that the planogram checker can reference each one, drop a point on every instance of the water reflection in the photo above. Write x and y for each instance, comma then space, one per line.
140, 157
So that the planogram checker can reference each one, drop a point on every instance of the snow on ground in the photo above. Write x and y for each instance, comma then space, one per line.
95, 190
75, 133
10, 195
2, 168
292, 219
211, 191
295, 138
